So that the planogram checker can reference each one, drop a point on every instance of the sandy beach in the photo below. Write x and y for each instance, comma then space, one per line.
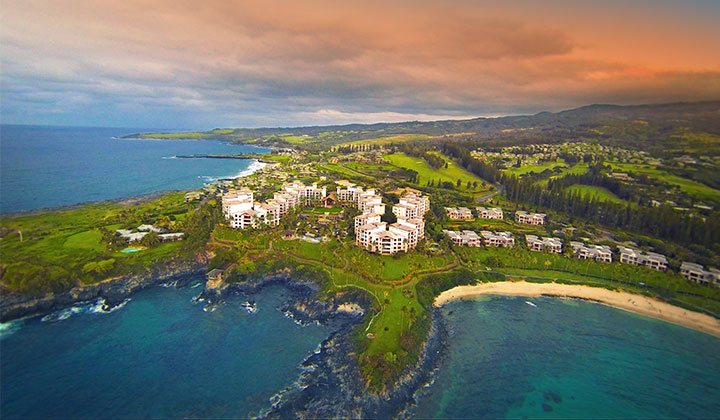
627, 301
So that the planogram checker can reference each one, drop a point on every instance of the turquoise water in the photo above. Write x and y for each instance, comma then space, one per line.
159, 356
571, 359
131, 250
43, 167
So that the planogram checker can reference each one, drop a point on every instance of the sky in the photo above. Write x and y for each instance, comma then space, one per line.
187, 64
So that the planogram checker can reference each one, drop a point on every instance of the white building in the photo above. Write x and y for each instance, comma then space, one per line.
553, 245
375, 236
500, 239
601, 253
490, 213
530, 218
459, 213
242, 211
464, 238
649, 259
697, 273
366, 219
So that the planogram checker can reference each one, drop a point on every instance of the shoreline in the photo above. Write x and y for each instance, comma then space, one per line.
630, 302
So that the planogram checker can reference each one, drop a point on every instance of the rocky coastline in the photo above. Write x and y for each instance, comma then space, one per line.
330, 384
114, 291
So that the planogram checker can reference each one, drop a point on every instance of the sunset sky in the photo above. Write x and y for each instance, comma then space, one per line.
202, 64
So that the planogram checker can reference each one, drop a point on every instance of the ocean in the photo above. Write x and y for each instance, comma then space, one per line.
159, 356
43, 167
570, 359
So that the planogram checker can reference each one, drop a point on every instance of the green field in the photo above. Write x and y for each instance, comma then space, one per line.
398, 138
577, 169
688, 186
598, 193
426, 173
47, 251
535, 168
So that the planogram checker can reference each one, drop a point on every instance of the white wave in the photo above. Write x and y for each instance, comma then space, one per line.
9, 328
255, 166
196, 285
169, 157
98, 306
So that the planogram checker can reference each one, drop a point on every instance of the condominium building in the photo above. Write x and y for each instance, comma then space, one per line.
242, 211
649, 259
697, 273
530, 218
601, 253
464, 238
490, 213
421, 202
307, 194
500, 239
349, 193
553, 245
366, 219
404, 235
459, 213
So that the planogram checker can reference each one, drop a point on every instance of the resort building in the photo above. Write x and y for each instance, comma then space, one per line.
698, 274
495, 213
421, 202
459, 213
530, 218
500, 239
649, 259
366, 219
242, 211
349, 193
601, 253
464, 238
553, 245
375, 236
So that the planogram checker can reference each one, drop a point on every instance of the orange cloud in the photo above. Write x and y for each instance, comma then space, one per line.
277, 62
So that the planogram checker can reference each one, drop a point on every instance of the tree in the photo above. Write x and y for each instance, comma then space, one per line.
151, 239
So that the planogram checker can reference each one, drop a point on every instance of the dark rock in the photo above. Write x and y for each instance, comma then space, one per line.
547, 408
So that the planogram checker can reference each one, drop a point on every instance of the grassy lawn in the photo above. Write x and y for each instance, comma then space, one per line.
56, 245
90, 239
293, 139
323, 210
398, 138
535, 168
598, 193
426, 173
577, 169
343, 170
690, 187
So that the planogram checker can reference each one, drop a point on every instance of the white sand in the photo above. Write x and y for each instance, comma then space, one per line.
622, 300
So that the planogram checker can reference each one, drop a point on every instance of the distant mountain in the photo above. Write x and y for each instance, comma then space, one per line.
651, 125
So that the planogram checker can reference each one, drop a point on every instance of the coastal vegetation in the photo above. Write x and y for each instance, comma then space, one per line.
645, 194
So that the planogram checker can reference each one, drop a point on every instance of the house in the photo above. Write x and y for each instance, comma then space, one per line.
495, 213
459, 213
329, 201
530, 218
131, 236
215, 275
149, 228
500, 239
553, 245
697, 273
464, 238
650, 259
168, 237
601, 253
